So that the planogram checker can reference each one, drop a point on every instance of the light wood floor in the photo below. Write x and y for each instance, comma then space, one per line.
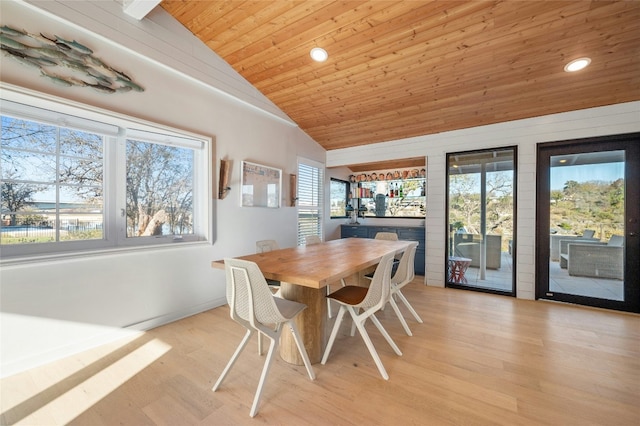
478, 359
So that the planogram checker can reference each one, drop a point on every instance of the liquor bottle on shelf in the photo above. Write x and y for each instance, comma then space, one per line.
400, 191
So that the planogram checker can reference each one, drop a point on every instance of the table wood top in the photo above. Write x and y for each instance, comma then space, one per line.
317, 265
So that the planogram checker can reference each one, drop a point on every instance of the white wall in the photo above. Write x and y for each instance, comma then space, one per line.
525, 134
54, 308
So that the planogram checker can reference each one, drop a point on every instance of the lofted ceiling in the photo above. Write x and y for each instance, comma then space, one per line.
399, 69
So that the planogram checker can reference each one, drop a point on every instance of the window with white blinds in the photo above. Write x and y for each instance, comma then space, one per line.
310, 199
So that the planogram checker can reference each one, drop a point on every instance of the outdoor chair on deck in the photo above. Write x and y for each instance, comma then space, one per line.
556, 241
254, 307
603, 260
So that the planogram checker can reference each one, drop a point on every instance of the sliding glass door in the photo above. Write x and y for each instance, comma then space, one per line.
587, 230
481, 197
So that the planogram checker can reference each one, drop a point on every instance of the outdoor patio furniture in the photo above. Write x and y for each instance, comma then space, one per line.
468, 245
587, 235
457, 266
564, 248
597, 260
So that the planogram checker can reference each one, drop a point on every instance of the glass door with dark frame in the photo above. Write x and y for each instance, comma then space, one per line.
481, 197
588, 211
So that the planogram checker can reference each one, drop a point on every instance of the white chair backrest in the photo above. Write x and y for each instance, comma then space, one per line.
616, 241
380, 287
391, 236
312, 239
406, 269
263, 246
248, 294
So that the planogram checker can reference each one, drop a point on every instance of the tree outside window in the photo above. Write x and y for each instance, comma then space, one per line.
85, 186
159, 189
339, 198
51, 183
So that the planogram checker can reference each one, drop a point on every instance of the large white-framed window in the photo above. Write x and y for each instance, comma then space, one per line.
310, 198
77, 179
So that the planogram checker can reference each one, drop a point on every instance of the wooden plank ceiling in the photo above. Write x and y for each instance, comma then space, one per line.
398, 69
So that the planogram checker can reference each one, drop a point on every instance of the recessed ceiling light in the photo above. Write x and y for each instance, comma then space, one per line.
577, 64
318, 54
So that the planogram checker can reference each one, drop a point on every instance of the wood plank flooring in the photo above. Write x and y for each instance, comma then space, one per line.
478, 359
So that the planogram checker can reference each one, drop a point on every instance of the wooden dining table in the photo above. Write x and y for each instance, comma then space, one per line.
305, 271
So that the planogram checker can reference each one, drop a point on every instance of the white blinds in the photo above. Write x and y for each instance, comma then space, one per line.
310, 199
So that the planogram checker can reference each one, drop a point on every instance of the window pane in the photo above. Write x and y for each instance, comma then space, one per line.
23, 134
310, 181
51, 179
80, 144
80, 172
308, 222
75, 227
159, 189
308, 186
28, 166
26, 229
19, 197
79, 199
339, 191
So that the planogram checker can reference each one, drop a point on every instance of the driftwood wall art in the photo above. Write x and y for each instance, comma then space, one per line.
64, 62
293, 189
223, 183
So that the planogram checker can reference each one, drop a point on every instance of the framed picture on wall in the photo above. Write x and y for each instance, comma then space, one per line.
261, 185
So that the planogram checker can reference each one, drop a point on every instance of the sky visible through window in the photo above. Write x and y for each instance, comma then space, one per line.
607, 172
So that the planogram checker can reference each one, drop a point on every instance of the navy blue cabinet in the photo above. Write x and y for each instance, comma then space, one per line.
358, 231
411, 233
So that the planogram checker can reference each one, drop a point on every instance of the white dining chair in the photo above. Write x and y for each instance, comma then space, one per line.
403, 276
362, 303
263, 246
253, 306
266, 245
314, 239
387, 236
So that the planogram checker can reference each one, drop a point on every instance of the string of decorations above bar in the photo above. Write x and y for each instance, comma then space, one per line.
395, 175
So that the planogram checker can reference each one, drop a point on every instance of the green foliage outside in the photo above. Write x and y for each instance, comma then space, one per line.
578, 206
465, 207
593, 205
